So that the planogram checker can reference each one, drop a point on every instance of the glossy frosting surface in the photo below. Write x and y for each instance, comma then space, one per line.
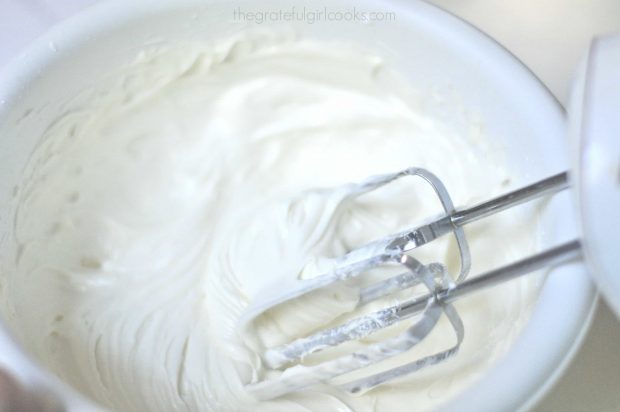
155, 210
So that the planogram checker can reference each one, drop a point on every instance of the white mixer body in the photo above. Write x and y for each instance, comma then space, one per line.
595, 128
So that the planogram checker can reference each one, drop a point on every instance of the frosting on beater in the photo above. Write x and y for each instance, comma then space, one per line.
150, 216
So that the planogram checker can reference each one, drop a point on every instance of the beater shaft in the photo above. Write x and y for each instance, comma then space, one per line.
424, 234
549, 258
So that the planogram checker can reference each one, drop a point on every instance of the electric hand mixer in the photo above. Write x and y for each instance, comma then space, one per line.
599, 197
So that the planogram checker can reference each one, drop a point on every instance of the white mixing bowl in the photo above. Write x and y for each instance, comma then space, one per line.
440, 54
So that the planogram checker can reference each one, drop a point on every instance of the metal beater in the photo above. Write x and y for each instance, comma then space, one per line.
441, 291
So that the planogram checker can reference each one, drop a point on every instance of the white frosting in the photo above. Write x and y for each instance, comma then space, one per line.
151, 215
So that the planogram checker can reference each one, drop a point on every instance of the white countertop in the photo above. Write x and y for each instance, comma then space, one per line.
548, 36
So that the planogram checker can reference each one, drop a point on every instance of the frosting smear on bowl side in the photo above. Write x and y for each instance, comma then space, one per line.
153, 212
